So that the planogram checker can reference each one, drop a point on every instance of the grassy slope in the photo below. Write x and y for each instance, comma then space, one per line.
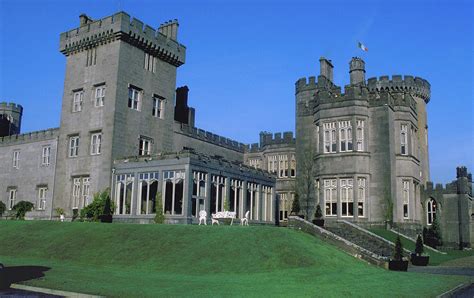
435, 258
152, 260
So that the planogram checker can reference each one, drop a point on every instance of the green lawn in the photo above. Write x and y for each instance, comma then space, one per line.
176, 260
435, 258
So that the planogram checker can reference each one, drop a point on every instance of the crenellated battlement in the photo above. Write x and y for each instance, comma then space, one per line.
161, 43
10, 106
268, 138
210, 137
310, 83
415, 85
30, 137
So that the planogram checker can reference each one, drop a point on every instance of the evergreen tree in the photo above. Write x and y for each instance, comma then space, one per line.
21, 208
397, 254
295, 208
318, 214
435, 233
159, 217
419, 246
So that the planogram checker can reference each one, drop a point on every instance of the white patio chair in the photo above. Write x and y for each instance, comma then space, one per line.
203, 217
214, 221
245, 221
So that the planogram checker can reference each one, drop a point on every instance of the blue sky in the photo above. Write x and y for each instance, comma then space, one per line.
243, 58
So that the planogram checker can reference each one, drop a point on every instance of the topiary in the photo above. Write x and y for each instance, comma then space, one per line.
319, 213
295, 207
2, 208
419, 246
159, 216
397, 253
21, 208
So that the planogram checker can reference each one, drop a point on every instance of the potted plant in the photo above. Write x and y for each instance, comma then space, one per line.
416, 258
397, 263
318, 220
106, 215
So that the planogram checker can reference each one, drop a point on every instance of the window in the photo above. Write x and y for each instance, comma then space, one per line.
144, 146
46, 156
253, 200
134, 98
42, 198
81, 192
406, 198
272, 164
16, 159
347, 199
284, 206
96, 141
236, 197
361, 197
77, 101
173, 190
91, 56
403, 139
124, 193
267, 200
147, 192
255, 162
330, 197
150, 62
329, 137
317, 137
345, 136
431, 211
282, 166
360, 135
73, 146
158, 106
293, 166
86, 191
11, 198
199, 192
99, 96
218, 191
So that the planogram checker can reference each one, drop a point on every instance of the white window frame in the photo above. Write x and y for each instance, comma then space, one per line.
77, 101
361, 196
283, 166
16, 159
46, 156
76, 192
11, 198
86, 198
135, 98
174, 177
99, 96
293, 166
96, 143
329, 136
73, 148
254, 162
158, 107
283, 216
330, 196
148, 179
144, 146
272, 163
42, 192
403, 139
360, 135
345, 136
346, 187
406, 198
431, 209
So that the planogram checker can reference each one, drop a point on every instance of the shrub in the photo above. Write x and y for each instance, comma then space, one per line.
2, 208
432, 235
59, 211
398, 252
21, 208
94, 210
419, 246
295, 208
318, 214
159, 217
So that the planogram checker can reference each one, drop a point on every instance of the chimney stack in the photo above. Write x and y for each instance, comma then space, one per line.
84, 20
357, 71
326, 68
170, 29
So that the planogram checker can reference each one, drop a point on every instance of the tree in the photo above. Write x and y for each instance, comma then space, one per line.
94, 210
397, 253
432, 236
295, 208
159, 216
21, 208
318, 214
305, 180
2, 208
419, 246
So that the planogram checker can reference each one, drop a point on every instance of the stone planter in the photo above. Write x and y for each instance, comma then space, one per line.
419, 260
106, 218
398, 265
319, 222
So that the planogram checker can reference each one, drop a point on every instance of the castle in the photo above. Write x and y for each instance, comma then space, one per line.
362, 153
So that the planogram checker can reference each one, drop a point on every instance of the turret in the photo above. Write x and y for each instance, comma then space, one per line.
10, 119
326, 68
357, 71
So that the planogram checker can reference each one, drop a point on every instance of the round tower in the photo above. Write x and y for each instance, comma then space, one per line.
357, 71
10, 118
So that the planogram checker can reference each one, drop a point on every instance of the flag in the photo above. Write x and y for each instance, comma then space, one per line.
363, 47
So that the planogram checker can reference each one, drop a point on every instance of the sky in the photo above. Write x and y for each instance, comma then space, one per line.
244, 57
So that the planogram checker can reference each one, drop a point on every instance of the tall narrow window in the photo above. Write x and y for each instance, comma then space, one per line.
361, 197
330, 197
431, 211
282, 166
406, 198
360, 135
76, 192
284, 206
86, 198
96, 143
317, 137
272, 163
330, 137
345, 136
42, 198
73, 146
158, 106
347, 200
255, 163
403, 139
16, 159
150, 62
46, 156
144, 146
293, 166
218, 192
99, 96
147, 193
11, 198
173, 190
236, 197
124, 193
134, 98
91, 56
77, 101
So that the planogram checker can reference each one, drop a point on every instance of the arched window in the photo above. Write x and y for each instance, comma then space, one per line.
431, 211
